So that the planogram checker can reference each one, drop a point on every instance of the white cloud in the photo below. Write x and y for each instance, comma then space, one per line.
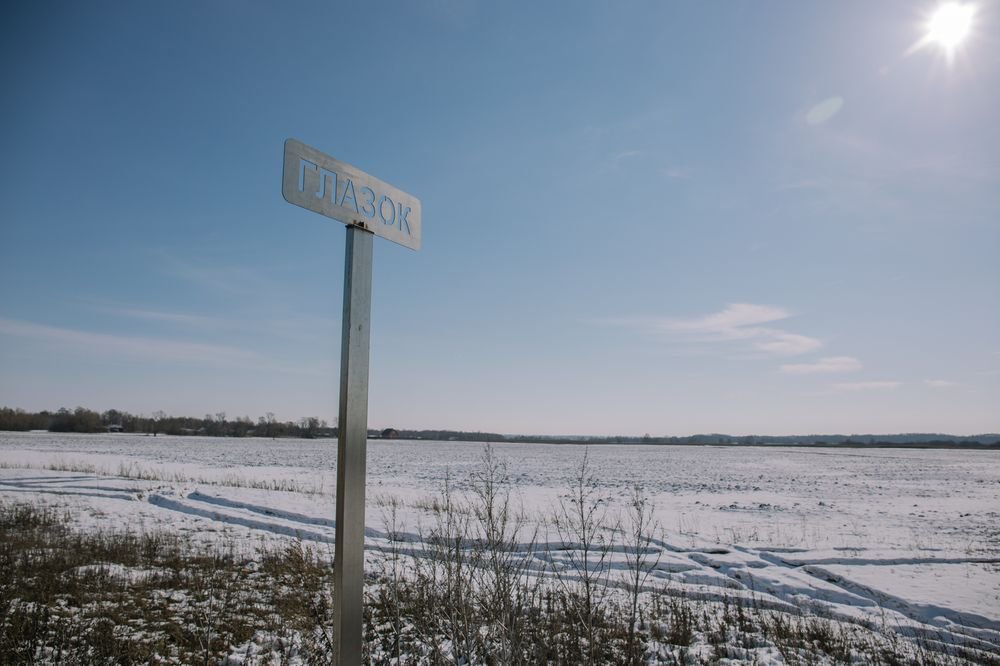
789, 344
828, 365
738, 321
731, 321
939, 383
867, 386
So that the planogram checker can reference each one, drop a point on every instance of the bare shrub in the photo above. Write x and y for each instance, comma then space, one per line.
585, 547
506, 593
641, 558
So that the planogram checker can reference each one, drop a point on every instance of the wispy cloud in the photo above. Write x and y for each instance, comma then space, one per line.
232, 280
735, 322
864, 173
939, 383
291, 326
162, 349
787, 344
866, 386
185, 319
828, 365
675, 172
617, 159
819, 184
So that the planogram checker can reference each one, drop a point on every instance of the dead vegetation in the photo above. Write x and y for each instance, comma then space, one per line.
469, 591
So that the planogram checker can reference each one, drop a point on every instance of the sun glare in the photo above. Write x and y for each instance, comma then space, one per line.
949, 26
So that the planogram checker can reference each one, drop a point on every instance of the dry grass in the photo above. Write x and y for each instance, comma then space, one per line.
462, 594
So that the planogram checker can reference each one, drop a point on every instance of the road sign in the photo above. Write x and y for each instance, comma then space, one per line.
367, 206
327, 186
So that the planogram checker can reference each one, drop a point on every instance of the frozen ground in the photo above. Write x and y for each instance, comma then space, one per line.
905, 537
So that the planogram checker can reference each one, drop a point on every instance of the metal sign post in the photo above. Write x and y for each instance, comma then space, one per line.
369, 207
349, 558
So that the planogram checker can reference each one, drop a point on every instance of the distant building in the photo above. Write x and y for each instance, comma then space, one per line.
390, 433
114, 427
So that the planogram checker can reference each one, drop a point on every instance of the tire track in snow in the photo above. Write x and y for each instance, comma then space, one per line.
950, 620
181, 506
50, 486
770, 592
970, 628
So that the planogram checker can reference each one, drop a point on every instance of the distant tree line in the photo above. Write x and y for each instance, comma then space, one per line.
914, 440
82, 419
217, 425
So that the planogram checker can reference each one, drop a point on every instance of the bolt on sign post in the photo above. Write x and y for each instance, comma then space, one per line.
369, 207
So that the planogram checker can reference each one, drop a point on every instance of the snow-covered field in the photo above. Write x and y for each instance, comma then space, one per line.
905, 537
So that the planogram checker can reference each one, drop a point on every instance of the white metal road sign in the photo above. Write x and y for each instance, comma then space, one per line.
327, 186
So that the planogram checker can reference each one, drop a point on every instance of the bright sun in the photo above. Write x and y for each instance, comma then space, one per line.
949, 25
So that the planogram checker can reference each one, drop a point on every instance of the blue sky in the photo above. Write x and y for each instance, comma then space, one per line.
637, 217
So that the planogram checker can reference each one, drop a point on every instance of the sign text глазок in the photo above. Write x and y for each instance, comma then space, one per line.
327, 186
